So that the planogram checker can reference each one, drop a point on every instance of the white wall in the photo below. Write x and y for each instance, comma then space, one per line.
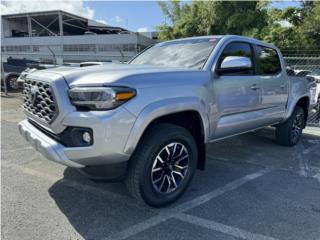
83, 39
56, 44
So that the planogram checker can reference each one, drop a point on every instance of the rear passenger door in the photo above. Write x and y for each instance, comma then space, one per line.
273, 81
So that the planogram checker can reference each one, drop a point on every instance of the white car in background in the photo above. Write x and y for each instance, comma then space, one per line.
314, 76
315, 90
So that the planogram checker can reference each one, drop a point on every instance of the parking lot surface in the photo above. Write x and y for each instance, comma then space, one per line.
252, 188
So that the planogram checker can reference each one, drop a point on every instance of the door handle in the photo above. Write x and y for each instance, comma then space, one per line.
254, 87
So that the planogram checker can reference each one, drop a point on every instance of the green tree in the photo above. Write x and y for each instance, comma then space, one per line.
310, 26
212, 17
292, 27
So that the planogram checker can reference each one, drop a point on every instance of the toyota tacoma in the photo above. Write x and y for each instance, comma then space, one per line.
148, 121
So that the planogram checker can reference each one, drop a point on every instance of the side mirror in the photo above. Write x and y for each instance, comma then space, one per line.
234, 64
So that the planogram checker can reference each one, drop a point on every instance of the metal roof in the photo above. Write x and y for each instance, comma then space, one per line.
90, 22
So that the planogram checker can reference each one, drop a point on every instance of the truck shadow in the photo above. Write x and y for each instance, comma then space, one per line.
260, 147
89, 209
95, 214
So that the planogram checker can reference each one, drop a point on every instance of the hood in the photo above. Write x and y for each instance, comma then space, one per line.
119, 74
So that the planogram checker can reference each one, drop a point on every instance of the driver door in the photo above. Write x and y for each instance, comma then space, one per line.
237, 93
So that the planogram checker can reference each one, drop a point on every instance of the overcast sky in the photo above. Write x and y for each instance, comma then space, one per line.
136, 15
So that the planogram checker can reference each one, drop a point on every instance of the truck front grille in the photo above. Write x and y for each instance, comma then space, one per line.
39, 100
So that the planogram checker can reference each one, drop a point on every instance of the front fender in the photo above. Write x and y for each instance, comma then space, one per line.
162, 108
6, 76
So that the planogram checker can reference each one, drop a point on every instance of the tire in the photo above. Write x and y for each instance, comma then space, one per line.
289, 132
12, 83
143, 175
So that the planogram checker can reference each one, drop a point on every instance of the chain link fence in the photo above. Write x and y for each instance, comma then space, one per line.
308, 66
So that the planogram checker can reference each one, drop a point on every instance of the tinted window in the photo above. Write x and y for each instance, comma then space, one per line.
237, 49
268, 59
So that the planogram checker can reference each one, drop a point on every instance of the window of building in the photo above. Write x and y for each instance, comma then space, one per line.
22, 48
79, 48
115, 47
106, 47
36, 48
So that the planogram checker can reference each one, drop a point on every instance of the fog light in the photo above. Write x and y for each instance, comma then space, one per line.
86, 137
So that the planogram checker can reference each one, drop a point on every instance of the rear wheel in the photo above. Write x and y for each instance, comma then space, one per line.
289, 132
163, 165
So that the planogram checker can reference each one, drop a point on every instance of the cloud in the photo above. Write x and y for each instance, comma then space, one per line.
102, 21
142, 29
118, 19
75, 7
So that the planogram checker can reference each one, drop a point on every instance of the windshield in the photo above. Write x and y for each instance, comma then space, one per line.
187, 53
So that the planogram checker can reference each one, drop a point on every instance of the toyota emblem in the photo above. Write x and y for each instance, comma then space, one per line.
34, 90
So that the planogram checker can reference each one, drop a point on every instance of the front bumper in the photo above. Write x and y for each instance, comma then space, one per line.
315, 94
49, 148
110, 132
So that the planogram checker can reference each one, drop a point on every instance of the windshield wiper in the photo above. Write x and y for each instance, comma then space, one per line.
201, 61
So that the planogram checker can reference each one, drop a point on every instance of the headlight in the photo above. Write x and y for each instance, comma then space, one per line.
100, 98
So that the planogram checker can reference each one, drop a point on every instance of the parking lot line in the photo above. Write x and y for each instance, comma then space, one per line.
80, 187
310, 149
175, 211
215, 226
218, 158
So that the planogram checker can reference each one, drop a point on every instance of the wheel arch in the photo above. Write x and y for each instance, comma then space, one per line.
13, 74
303, 102
186, 112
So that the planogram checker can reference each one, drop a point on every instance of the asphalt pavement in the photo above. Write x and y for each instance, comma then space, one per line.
252, 188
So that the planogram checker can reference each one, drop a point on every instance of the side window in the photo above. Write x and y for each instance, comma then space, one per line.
239, 49
268, 61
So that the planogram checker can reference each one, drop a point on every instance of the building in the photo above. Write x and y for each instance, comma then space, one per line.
152, 35
58, 36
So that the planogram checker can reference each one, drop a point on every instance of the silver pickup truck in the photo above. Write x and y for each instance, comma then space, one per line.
148, 121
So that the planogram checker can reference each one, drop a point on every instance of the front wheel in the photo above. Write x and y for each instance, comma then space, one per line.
163, 165
12, 83
289, 132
